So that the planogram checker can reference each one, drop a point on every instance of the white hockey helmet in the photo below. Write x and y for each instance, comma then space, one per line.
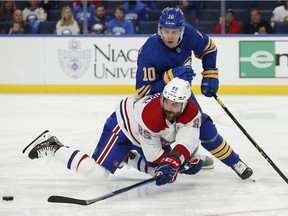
177, 90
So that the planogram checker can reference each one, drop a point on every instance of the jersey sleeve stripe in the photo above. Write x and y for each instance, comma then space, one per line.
168, 76
122, 115
143, 91
210, 47
210, 74
126, 120
183, 150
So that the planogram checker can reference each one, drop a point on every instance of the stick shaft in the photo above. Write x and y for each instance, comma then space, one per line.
62, 199
251, 139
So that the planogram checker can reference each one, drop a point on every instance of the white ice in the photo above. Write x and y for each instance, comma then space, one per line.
77, 121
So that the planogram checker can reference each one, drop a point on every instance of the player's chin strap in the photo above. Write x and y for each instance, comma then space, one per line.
62, 199
250, 138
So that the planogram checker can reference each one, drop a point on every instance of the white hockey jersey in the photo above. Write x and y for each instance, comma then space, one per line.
142, 121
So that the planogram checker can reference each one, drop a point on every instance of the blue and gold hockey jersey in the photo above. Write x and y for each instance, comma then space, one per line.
155, 58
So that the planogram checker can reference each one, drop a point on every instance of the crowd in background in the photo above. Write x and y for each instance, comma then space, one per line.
139, 17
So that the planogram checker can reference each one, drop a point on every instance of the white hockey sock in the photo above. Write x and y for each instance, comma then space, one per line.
139, 163
82, 164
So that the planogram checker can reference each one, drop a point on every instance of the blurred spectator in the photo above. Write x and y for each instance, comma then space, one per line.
280, 13
16, 29
18, 18
256, 25
78, 2
232, 26
119, 25
135, 11
67, 25
34, 14
185, 4
49, 5
150, 5
2, 27
78, 14
100, 22
7, 9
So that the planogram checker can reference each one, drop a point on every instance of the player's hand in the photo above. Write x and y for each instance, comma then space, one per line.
167, 170
210, 83
262, 30
192, 166
183, 72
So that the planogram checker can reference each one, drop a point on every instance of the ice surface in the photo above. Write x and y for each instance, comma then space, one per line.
77, 121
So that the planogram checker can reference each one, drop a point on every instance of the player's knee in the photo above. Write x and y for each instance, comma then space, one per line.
208, 131
92, 171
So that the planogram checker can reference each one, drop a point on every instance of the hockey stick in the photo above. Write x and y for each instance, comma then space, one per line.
250, 138
62, 199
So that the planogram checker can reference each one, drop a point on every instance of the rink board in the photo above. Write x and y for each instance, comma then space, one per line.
108, 65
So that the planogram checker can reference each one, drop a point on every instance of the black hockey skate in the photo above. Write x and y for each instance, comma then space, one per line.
44, 145
242, 170
131, 155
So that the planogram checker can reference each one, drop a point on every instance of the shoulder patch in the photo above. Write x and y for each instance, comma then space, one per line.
152, 116
189, 113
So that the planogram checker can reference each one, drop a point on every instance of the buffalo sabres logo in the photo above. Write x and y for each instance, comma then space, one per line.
74, 61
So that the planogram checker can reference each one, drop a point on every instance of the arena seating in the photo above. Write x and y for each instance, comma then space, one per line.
281, 27
47, 27
205, 18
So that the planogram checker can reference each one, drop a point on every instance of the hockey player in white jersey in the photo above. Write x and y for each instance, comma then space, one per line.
162, 130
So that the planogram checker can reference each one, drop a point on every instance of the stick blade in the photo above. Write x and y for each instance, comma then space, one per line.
62, 199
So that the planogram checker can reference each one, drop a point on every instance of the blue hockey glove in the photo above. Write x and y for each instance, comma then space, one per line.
192, 166
167, 170
183, 72
210, 83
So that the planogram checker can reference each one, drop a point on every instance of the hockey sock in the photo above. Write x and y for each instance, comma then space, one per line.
216, 145
82, 164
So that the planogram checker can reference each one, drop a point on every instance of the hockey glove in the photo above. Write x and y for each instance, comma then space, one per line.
210, 83
183, 72
167, 170
192, 166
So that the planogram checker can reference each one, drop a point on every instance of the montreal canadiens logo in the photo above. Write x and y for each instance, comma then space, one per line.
116, 163
74, 61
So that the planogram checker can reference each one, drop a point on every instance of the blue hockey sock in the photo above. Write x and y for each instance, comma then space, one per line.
216, 145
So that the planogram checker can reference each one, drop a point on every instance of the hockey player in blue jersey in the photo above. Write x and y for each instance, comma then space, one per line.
167, 55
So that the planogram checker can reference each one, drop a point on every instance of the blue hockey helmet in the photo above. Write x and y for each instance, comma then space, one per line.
172, 18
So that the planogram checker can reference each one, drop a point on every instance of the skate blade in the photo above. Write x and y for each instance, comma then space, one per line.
208, 167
